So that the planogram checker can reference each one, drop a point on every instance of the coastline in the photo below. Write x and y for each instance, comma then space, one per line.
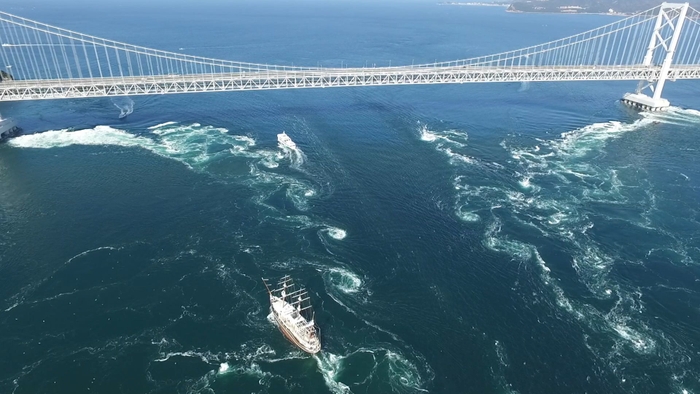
507, 6
475, 4
569, 13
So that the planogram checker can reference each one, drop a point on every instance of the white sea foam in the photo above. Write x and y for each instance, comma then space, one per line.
580, 181
330, 366
473, 200
676, 116
81, 254
158, 126
498, 372
516, 249
524, 252
344, 280
299, 193
206, 357
579, 142
271, 318
593, 267
457, 157
560, 210
692, 112
192, 145
402, 373
639, 342
427, 135
336, 233
245, 361
501, 353
125, 105
269, 159
526, 184
100, 135
451, 142
466, 215
389, 366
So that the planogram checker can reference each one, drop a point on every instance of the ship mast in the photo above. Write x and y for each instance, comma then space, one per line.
294, 293
267, 286
301, 295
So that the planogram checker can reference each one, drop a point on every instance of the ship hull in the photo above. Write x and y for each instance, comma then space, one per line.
290, 336
290, 310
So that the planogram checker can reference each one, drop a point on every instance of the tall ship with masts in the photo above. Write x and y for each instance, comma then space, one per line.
291, 308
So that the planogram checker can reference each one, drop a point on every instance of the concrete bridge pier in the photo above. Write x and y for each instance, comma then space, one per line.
643, 102
8, 128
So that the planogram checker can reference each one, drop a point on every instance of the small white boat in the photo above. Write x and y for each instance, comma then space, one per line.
285, 142
292, 312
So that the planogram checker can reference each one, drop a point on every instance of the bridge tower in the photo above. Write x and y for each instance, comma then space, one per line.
662, 46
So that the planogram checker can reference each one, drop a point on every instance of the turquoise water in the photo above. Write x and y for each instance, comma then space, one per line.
484, 238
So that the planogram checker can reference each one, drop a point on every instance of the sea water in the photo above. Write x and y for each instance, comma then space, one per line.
479, 238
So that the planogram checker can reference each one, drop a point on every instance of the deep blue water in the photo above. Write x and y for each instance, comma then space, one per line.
485, 238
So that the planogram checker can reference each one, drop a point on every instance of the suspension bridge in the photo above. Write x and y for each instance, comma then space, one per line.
40, 61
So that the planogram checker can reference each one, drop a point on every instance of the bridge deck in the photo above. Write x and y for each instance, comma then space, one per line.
322, 78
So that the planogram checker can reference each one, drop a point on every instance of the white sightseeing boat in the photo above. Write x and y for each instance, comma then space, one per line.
286, 142
292, 312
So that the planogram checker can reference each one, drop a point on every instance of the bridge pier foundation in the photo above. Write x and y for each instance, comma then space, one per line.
8, 128
645, 103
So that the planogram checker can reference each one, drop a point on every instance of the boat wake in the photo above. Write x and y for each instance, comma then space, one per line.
257, 366
125, 106
291, 150
204, 149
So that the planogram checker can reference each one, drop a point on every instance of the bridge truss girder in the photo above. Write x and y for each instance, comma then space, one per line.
37, 90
